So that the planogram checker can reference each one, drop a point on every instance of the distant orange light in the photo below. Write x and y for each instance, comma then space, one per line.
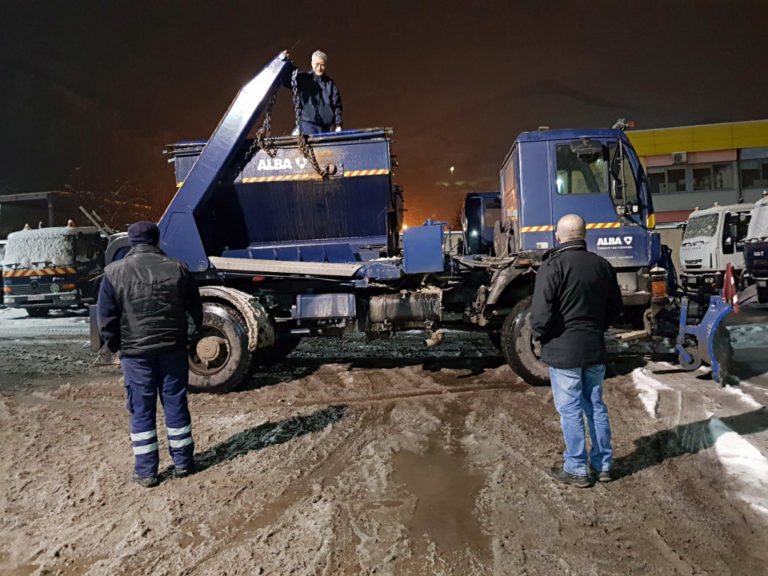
67, 286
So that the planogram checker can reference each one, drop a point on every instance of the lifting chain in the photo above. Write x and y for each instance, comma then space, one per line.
263, 135
301, 138
263, 140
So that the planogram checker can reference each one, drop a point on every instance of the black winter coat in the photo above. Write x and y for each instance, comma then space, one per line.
143, 303
319, 96
575, 300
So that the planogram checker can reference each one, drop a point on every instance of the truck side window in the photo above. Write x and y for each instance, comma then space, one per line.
580, 174
735, 228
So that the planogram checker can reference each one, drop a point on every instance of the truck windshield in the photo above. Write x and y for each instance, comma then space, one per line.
579, 173
701, 227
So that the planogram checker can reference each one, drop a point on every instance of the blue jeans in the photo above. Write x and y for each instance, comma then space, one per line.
147, 377
578, 392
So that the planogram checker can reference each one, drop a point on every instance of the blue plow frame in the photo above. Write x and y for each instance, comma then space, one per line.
705, 333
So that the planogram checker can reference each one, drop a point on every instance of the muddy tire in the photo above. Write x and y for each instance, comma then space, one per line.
220, 358
271, 355
38, 312
518, 346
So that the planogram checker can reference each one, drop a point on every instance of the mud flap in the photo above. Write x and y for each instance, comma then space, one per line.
708, 341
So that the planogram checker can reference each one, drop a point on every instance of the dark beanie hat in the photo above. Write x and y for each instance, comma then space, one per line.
143, 233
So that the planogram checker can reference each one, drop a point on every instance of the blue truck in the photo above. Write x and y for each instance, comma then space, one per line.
756, 250
298, 236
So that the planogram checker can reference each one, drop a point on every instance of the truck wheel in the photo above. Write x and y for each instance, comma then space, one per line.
38, 312
220, 359
518, 346
271, 355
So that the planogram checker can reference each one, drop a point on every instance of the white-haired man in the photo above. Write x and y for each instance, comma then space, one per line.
319, 98
576, 298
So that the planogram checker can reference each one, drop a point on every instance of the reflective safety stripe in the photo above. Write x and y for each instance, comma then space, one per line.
146, 449
179, 443
176, 431
143, 435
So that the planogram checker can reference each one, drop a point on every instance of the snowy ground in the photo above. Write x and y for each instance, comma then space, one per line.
355, 457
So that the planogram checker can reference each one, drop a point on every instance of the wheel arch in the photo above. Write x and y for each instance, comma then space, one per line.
260, 331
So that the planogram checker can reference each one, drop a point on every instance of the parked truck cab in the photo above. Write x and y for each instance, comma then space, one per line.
52, 268
713, 238
593, 173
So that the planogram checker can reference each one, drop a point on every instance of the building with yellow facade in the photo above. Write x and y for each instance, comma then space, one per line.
696, 166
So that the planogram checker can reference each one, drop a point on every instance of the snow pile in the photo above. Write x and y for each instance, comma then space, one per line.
744, 462
740, 459
648, 390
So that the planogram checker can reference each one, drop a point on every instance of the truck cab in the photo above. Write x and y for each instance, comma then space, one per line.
713, 238
756, 250
595, 174
52, 268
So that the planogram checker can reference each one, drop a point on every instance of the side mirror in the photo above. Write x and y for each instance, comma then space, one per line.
618, 189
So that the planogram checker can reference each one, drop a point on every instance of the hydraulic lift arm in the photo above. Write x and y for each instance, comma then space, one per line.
179, 233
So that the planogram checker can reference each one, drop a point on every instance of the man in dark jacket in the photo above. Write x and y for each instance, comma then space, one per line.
576, 298
319, 97
144, 300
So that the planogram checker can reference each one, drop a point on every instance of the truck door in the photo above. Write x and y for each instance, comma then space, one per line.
732, 238
596, 180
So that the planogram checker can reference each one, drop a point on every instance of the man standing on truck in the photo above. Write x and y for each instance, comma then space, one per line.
144, 300
318, 97
576, 298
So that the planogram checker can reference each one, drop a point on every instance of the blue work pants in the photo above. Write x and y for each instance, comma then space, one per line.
311, 128
146, 377
578, 392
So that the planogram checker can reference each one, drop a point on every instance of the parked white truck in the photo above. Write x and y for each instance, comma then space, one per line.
713, 238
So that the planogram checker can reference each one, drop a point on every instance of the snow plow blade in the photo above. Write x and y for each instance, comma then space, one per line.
708, 341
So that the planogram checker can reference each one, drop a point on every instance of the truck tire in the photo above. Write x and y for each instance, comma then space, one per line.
518, 348
220, 358
271, 355
38, 312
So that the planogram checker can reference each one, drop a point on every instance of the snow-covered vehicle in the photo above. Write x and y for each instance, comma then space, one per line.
53, 268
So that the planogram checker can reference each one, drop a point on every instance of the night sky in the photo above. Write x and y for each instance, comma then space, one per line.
90, 92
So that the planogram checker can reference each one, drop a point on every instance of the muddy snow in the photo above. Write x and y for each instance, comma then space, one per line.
357, 457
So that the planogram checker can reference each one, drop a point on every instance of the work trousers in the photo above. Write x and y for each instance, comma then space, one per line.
165, 374
578, 392
312, 128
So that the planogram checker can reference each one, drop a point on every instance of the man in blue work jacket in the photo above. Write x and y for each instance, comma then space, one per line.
144, 300
319, 98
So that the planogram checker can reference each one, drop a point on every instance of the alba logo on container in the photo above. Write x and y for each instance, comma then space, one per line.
281, 163
614, 242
